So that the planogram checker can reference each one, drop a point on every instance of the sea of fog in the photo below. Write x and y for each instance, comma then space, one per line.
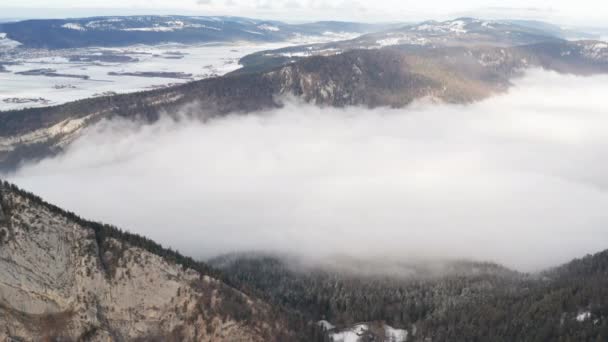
520, 178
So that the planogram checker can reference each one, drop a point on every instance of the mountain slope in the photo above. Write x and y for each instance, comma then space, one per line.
431, 34
464, 301
64, 278
393, 76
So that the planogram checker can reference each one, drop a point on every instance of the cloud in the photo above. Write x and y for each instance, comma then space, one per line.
520, 179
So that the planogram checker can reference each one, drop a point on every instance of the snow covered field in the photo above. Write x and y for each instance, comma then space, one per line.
194, 61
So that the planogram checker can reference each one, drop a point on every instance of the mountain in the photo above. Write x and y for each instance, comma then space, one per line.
130, 30
392, 76
557, 31
451, 301
63, 278
430, 34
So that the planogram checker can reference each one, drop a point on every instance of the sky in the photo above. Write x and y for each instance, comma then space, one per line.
514, 179
567, 12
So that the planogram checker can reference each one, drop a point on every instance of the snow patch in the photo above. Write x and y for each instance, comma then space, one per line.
487, 24
597, 50
402, 41
583, 316
394, 335
7, 43
266, 27
388, 41
326, 325
59, 130
350, 335
253, 32
73, 26
456, 26
170, 26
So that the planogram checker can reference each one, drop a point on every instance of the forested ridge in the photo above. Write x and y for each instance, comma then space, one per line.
568, 303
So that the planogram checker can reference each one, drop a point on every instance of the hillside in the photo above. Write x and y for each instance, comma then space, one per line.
458, 301
467, 32
65, 278
393, 76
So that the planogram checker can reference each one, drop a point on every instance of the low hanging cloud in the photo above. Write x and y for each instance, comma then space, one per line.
520, 179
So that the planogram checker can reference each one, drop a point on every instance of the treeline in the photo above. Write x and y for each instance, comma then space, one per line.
566, 304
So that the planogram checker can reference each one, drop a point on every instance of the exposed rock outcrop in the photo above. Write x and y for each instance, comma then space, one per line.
59, 278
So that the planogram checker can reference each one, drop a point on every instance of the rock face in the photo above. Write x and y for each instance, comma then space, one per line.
60, 279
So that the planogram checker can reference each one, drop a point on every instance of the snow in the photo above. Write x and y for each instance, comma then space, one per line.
73, 26
388, 41
583, 316
175, 23
487, 24
456, 26
200, 60
326, 325
169, 26
64, 127
206, 27
266, 27
401, 40
354, 333
597, 50
600, 46
94, 24
350, 335
307, 53
395, 335
153, 29
6, 43
253, 32
293, 54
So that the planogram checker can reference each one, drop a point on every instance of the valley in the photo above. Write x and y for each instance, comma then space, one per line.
320, 181
89, 72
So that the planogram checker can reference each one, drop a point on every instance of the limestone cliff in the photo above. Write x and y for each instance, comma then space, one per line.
62, 278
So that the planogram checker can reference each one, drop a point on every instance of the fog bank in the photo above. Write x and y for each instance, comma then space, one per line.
520, 179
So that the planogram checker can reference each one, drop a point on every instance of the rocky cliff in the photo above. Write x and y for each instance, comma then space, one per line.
63, 278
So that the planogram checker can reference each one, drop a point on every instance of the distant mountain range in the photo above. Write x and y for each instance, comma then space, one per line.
430, 34
129, 30
63, 278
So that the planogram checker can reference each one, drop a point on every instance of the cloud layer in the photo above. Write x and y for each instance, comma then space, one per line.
519, 179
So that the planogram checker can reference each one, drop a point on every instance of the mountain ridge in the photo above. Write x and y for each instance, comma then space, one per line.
115, 31
393, 77
71, 279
